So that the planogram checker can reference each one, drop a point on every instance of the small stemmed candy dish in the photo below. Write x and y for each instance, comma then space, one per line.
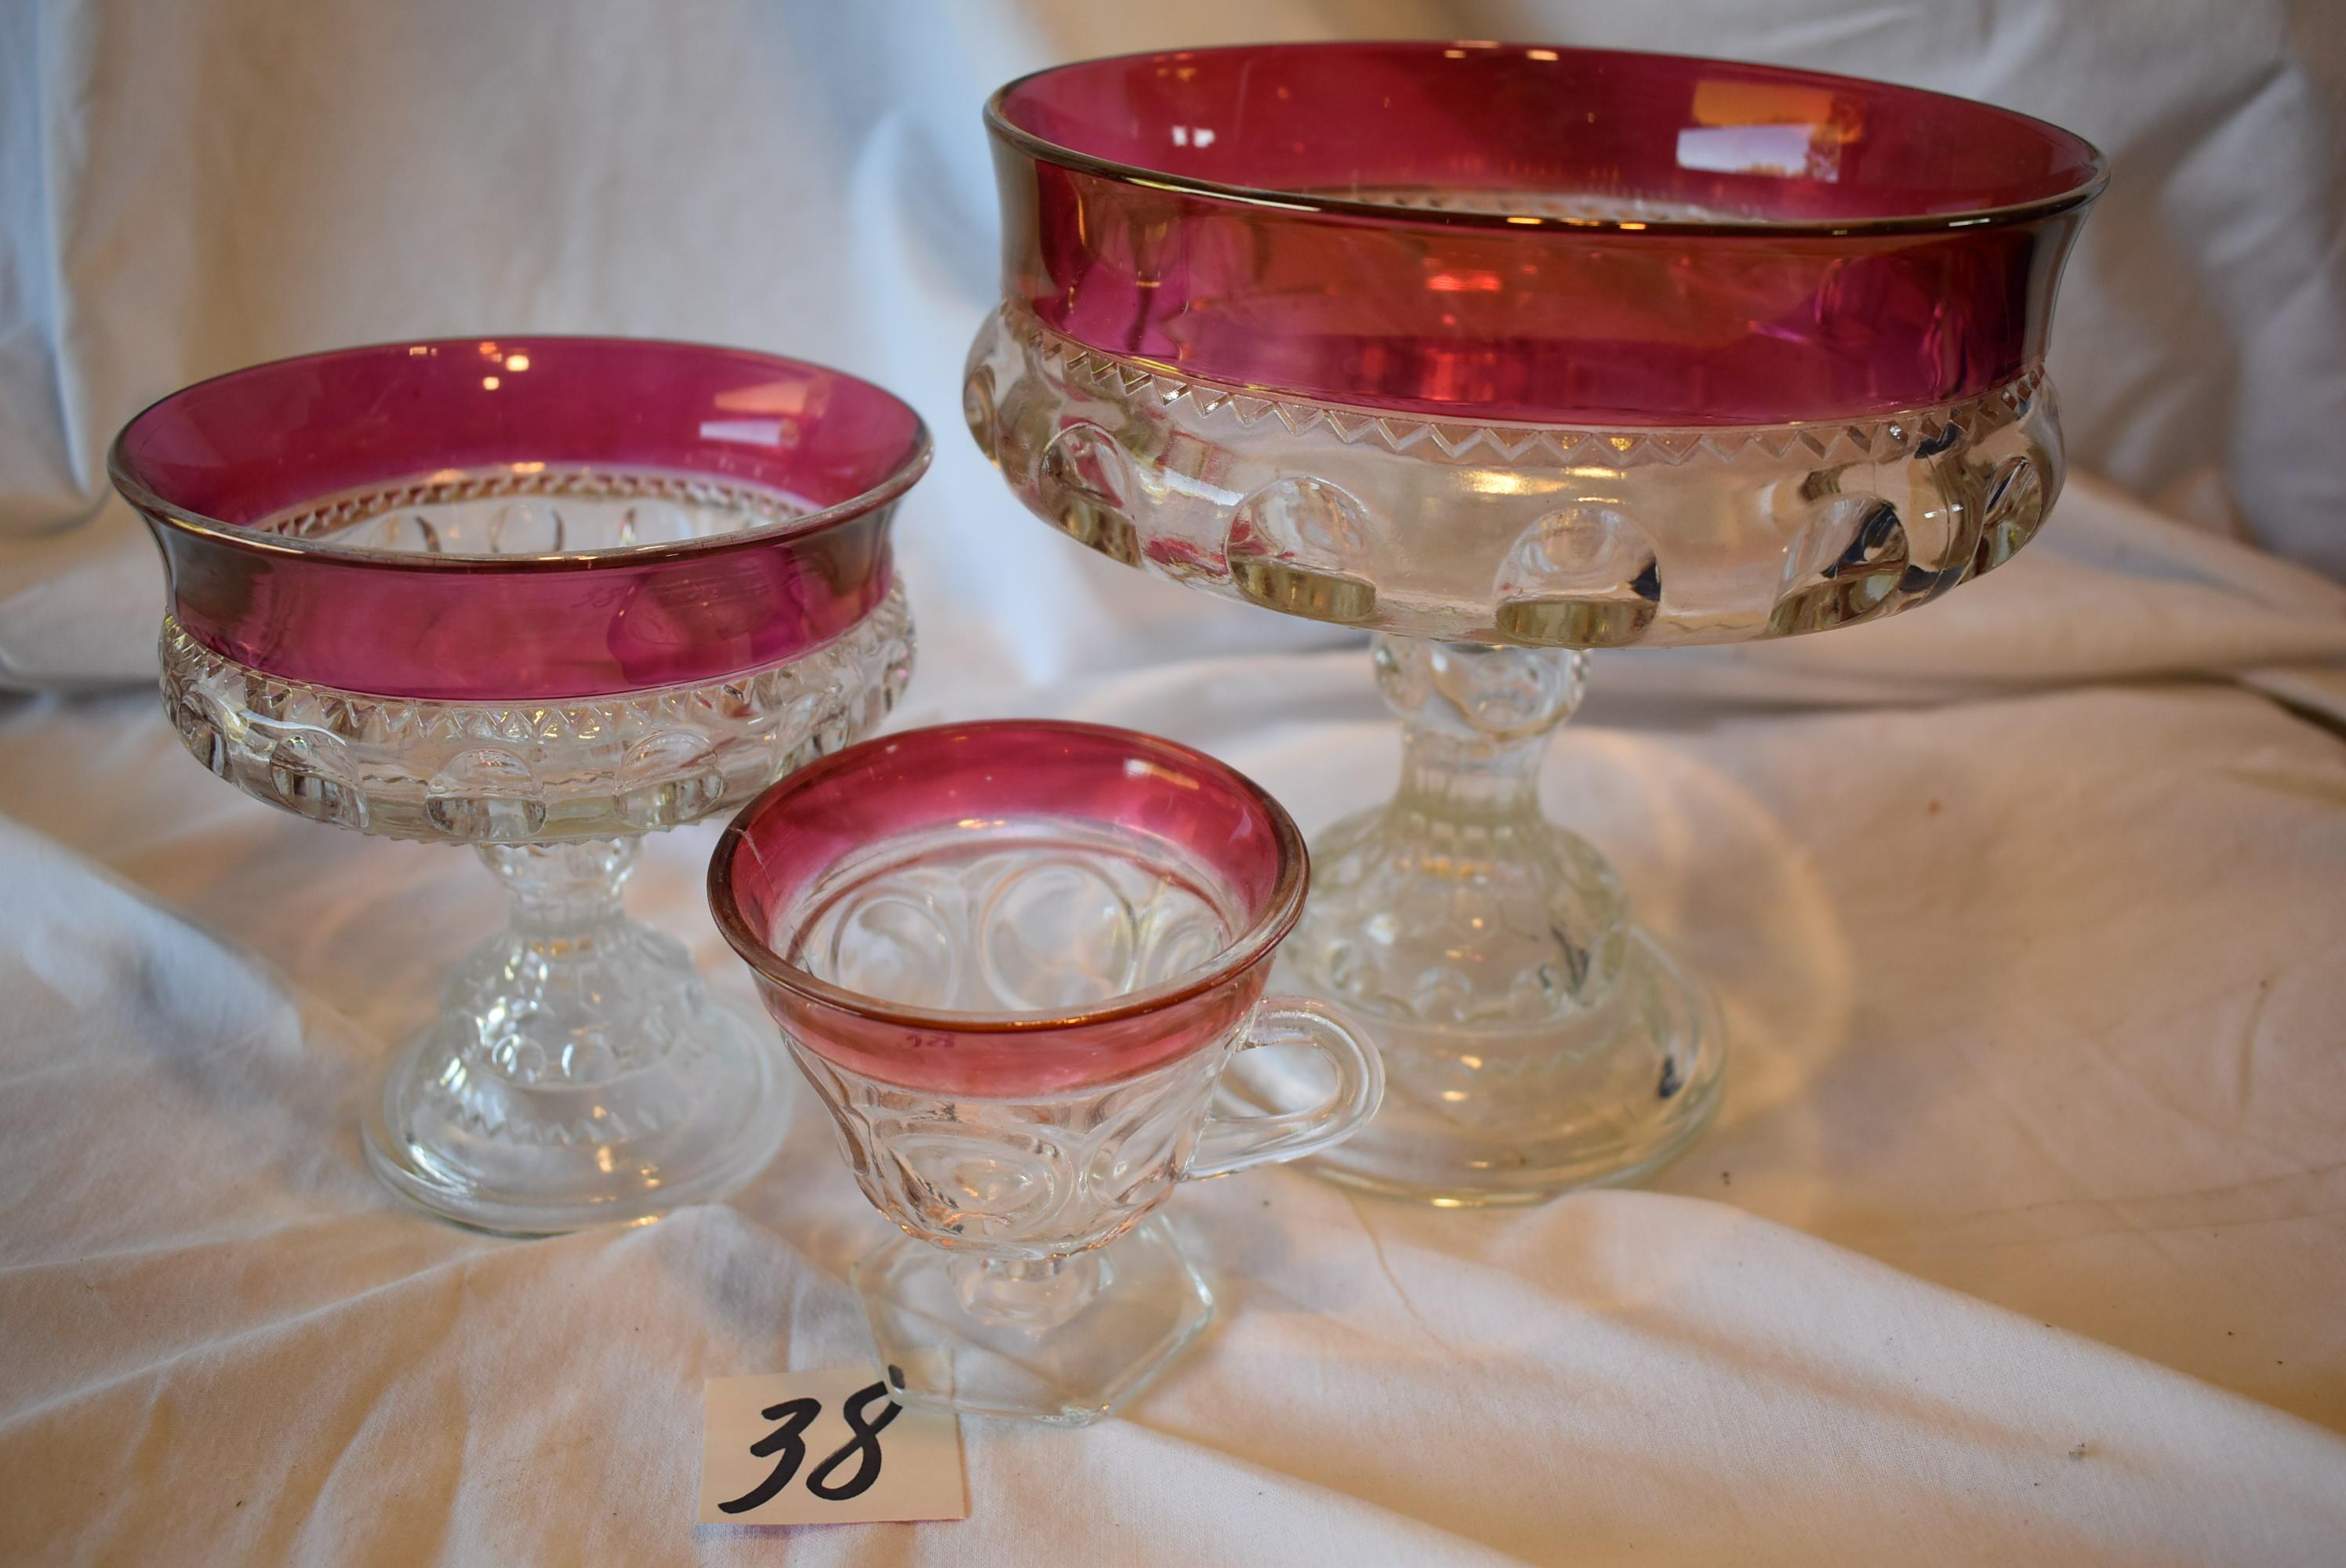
540, 596
1013, 959
1501, 353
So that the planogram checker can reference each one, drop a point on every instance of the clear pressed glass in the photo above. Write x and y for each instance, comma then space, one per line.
536, 595
1504, 352
1014, 960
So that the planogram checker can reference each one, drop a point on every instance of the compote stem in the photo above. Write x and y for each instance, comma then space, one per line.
576, 984
578, 1069
562, 891
1487, 773
1457, 904
1534, 1041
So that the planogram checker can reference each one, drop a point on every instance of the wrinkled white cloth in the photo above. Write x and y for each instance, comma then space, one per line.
191, 188
2019, 1240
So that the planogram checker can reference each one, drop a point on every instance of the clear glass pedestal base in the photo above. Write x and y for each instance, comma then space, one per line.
1535, 1040
1061, 1340
1476, 1117
579, 1071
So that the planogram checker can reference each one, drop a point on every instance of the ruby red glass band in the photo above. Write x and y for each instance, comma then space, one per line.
1537, 235
209, 466
969, 779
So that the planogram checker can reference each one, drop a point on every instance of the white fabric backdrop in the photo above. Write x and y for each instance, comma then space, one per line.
193, 186
2021, 1236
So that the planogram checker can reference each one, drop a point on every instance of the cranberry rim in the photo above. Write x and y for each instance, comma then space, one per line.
127, 479
998, 125
1281, 910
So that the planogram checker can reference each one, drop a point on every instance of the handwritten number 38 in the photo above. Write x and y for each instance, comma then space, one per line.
787, 1441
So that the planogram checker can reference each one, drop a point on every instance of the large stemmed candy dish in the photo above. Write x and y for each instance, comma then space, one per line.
540, 596
1014, 958
1502, 353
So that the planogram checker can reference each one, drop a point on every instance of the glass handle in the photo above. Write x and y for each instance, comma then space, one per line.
1235, 1143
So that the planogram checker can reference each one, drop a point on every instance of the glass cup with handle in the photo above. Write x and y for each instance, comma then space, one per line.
1013, 960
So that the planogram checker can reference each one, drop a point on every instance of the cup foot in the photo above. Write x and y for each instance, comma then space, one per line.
1145, 1303
1477, 1117
693, 1107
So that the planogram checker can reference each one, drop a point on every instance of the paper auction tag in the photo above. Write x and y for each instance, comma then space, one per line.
824, 1448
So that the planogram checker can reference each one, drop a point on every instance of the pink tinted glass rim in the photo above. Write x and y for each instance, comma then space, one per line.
1214, 213
786, 838
206, 464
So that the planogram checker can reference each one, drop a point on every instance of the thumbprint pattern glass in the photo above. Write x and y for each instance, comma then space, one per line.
1502, 353
1014, 958
539, 596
